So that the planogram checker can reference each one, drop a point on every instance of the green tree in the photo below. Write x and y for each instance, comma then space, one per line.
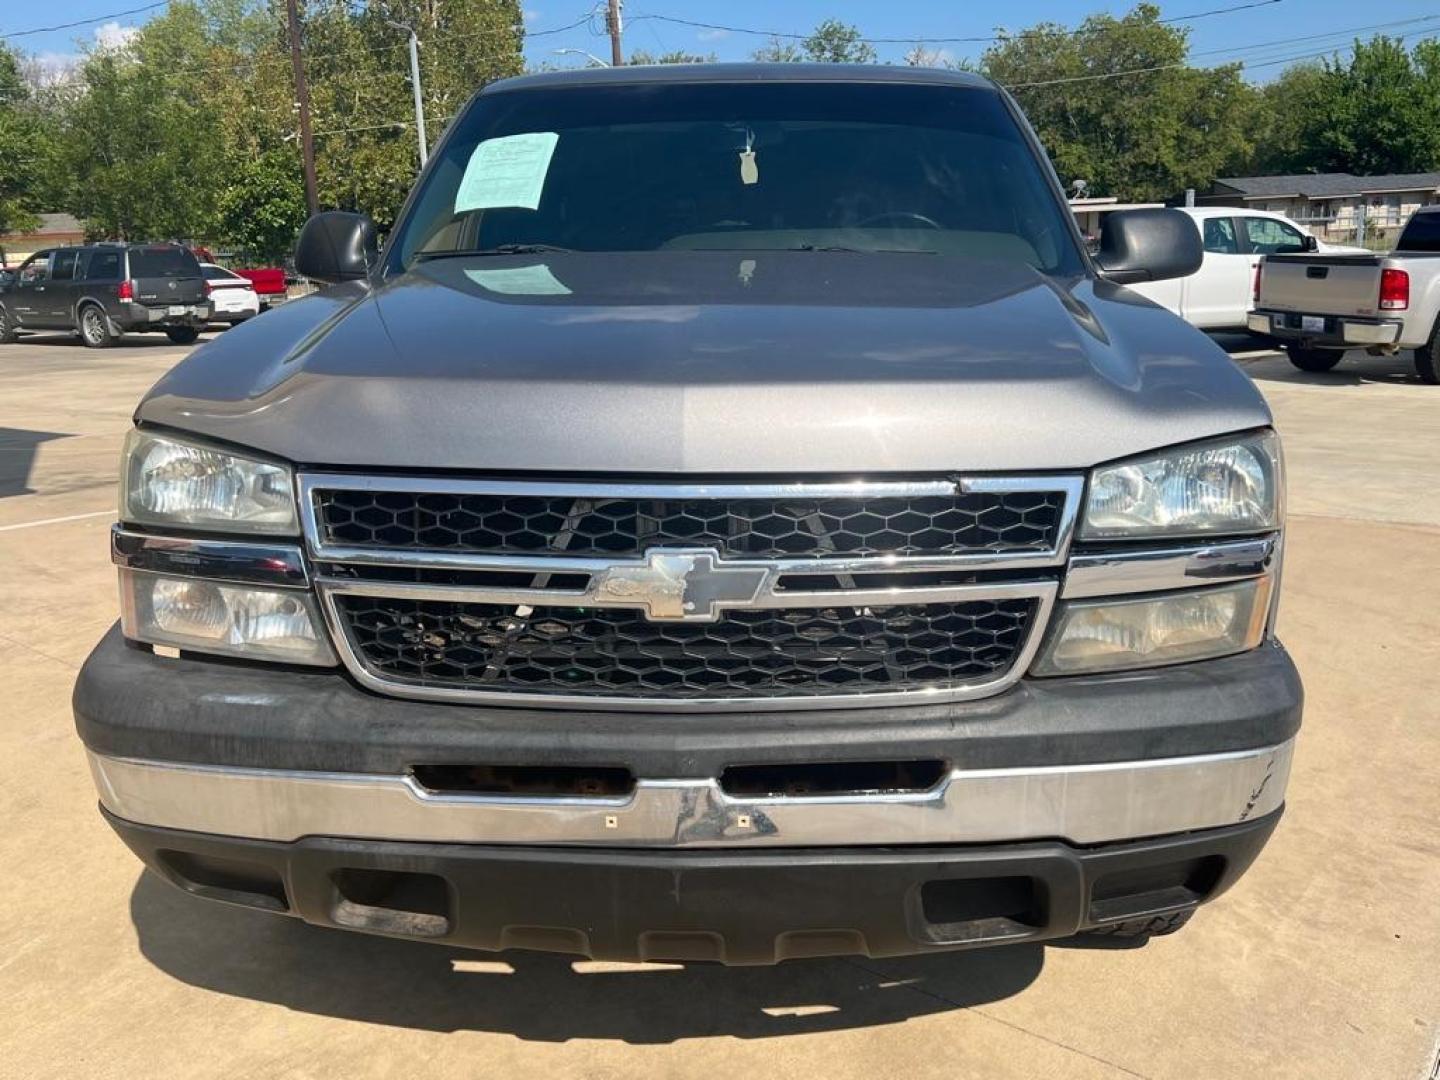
1376, 112
366, 146
139, 144
1147, 134
832, 42
676, 56
21, 148
262, 206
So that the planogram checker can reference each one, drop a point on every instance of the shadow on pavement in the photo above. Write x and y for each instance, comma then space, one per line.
129, 341
1354, 370
18, 449
538, 996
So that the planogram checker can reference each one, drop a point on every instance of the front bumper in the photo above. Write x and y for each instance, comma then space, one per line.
1064, 804
735, 907
1337, 332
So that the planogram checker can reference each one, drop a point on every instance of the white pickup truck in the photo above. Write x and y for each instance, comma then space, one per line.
1217, 296
1318, 306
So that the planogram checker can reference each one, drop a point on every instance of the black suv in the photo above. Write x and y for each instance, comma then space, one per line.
102, 291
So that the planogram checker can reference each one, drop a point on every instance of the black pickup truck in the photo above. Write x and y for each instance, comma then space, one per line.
732, 519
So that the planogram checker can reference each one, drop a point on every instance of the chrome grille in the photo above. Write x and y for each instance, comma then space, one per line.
675, 597
747, 654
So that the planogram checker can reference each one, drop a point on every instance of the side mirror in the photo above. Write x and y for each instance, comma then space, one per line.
1311, 244
1148, 245
336, 246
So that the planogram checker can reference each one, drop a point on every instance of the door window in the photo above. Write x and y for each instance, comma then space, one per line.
1271, 237
36, 269
1220, 236
64, 269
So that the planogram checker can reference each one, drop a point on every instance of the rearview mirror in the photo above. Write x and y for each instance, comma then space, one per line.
1148, 245
336, 246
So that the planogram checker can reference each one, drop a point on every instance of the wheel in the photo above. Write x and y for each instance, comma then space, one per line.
1154, 926
1313, 359
1427, 358
7, 332
182, 335
93, 331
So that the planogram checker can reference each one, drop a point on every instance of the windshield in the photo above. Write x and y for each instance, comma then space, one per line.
768, 166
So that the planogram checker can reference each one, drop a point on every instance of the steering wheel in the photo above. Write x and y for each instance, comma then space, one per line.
897, 215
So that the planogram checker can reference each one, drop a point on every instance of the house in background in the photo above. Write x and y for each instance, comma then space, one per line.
1337, 207
55, 230
1090, 212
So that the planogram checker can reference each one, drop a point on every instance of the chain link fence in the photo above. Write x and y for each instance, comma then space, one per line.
1375, 228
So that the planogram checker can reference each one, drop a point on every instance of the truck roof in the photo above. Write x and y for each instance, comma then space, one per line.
743, 72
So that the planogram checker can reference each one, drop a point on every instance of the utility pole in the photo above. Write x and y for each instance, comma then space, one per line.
415, 86
302, 97
612, 23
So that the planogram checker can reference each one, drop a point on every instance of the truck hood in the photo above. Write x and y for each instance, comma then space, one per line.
713, 362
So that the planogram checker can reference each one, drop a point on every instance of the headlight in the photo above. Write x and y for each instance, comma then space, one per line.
1228, 485
234, 620
164, 481
1118, 635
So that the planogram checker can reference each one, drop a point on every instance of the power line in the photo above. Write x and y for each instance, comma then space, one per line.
948, 40
84, 22
1180, 64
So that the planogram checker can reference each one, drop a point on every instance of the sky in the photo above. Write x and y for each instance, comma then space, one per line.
1263, 35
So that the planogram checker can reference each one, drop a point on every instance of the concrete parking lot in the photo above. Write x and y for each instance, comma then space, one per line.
1321, 963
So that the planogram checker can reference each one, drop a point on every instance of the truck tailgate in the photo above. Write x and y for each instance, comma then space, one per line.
1320, 284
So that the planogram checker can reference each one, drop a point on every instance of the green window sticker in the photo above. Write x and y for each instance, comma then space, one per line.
507, 172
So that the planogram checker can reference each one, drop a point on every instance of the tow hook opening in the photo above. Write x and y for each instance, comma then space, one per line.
1127, 894
534, 781
983, 909
832, 778
391, 902
232, 880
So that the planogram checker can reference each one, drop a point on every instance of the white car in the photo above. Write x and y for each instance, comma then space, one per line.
1220, 294
234, 298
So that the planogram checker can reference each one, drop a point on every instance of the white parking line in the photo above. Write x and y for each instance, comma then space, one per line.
57, 520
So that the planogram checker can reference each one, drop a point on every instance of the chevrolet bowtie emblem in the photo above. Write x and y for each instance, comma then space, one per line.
692, 585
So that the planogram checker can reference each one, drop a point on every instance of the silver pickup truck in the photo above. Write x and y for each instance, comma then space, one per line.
1318, 306
734, 518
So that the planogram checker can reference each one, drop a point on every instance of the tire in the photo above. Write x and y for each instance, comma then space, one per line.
1154, 926
182, 335
1427, 358
7, 332
92, 326
1313, 359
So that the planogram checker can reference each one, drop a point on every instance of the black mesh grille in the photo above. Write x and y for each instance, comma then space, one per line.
748, 653
816, 526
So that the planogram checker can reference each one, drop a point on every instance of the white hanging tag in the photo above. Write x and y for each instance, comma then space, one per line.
749, 171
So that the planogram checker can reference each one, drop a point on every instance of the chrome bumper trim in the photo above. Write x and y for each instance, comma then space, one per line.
1350, 332
239, 562
1163, 569
1084, 804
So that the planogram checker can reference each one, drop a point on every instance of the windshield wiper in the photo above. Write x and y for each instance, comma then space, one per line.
498, 249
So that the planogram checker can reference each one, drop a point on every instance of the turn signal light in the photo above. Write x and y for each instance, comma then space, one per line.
1394, 290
